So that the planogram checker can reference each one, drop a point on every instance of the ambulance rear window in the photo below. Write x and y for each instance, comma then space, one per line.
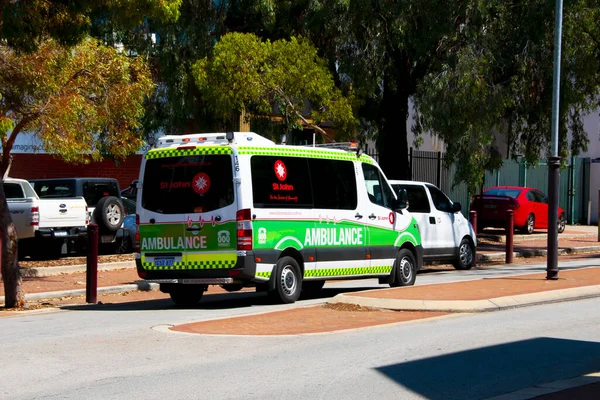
188, 184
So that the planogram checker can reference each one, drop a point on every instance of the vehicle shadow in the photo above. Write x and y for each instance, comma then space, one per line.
496, 370
213, 301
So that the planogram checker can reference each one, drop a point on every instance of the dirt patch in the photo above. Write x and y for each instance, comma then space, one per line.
349, 307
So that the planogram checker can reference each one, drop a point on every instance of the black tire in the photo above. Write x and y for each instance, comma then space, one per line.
288, 281
187, 295
109, 214
232, 287
466, 255
561, 223
405, 269
312, 287
529, 225
123, 245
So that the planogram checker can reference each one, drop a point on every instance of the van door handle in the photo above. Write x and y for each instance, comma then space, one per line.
193, 229
432, 220
358, 216
372, 216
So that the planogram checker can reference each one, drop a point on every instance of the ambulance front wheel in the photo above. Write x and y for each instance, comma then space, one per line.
405, 269
187, 295
288, 281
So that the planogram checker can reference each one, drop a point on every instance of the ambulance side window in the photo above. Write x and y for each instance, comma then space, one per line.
377, 188
280, 182
333, 184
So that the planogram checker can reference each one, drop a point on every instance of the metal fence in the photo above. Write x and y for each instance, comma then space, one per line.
428, 166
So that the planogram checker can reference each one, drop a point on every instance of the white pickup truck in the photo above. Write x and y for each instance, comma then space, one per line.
44, 225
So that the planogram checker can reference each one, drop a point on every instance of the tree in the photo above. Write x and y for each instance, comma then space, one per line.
82, 102
245, 73
26, 23
496, 80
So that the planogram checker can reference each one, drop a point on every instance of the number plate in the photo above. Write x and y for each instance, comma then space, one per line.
107, 238
60, 233
164, 261
490, 206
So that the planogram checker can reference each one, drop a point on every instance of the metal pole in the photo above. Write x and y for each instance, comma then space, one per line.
473, 221
510, 233
554, 161
91, 272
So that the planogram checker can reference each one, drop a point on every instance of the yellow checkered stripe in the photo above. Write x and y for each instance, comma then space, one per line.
263, 274
307, 153
200, 150
349, 271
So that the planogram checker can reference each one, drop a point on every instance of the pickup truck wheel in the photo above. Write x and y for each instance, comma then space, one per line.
405, 269
123, 245
466, 254
109, 214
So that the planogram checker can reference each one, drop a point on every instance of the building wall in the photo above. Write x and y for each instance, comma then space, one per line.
37, 166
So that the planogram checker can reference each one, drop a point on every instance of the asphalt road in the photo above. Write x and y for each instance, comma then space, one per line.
126, 352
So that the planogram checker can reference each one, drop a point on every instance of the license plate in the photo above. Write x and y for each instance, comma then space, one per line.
60, 233
164, 261
490, 206
107, 238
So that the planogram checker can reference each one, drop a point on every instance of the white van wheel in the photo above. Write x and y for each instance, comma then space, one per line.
465, 255
288, 281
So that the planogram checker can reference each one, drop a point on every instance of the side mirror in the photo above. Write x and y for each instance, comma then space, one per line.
456, 207
402, 201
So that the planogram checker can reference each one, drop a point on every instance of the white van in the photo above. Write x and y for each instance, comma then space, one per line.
447, 235
238, 210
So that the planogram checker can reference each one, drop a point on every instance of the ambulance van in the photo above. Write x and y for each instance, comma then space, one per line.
237, 210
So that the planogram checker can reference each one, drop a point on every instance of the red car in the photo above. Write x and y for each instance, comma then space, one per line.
530, 207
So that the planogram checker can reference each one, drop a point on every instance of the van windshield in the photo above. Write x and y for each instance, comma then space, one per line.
188, 184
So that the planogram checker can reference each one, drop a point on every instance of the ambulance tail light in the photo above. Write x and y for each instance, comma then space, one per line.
137, 233
244, 229
87, 216
35, 216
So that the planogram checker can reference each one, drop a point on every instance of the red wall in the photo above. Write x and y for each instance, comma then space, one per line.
36, 166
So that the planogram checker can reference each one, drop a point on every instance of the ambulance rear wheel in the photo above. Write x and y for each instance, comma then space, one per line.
288, 281
187, 295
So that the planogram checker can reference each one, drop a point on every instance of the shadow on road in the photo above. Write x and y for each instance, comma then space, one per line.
220, 301
495, 370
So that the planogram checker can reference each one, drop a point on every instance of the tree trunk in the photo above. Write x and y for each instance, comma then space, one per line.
13, 293
392, 143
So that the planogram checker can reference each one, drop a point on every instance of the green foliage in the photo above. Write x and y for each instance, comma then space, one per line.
496, 81
82, 102
245, 73
25, 24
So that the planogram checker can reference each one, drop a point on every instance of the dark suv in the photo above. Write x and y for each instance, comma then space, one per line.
102, 195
